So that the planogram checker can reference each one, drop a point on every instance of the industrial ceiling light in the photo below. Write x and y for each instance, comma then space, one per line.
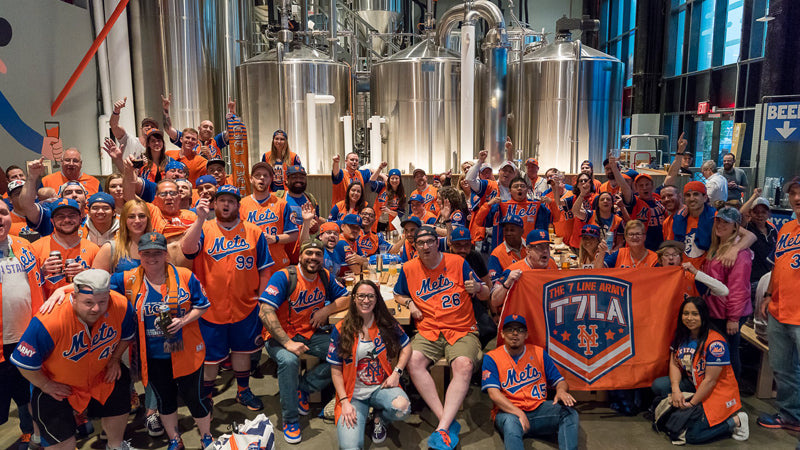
766, 17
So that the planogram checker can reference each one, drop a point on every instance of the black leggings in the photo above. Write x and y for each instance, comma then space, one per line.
167, 388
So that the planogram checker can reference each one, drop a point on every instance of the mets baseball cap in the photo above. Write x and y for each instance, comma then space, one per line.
729, 214
352, 219
642, 176
591, 231
295, 169
216, 161
515, 318
101, 197
329, 226
152, 241
16, 184
64, 187
65, 203
173, 164
411, 219
279, 131
537, 237
672, 244
513, 219
484, 167
631, 173
459, 234
92, 281
416, 198
149, 120
532, 161
153, 132
313, 243
262, 165
696, 186
205, 179
758, 201
426, 230
229, 190
418, 169
586, 161
394, 172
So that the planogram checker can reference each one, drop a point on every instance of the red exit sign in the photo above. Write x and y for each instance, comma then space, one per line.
703, 107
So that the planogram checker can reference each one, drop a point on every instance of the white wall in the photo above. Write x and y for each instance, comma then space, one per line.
49, 38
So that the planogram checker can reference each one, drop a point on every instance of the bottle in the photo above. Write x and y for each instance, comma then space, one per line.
164, 319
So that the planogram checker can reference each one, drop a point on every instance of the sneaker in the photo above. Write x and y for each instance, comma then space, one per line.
775, 421
379, 431
453, 431
176, 444
249, 400
153, 425
24, 441
742, 432
206, 440
103, 436
35, 442
302, 403
291, 432
440, 440
125, 445
83, 426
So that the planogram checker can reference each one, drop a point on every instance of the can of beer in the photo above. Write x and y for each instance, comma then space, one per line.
57, 254
67, 263
164, 318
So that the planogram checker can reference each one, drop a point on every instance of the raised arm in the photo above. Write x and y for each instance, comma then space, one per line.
190, 243
27, 196
168, 128
675, 167
113, 122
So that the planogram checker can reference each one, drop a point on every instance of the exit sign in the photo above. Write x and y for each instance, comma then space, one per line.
703, 107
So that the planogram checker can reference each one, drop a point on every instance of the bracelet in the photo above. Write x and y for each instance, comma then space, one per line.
114, 113
277, 238
767, 294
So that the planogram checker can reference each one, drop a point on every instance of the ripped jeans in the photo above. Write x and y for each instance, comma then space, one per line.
381, 401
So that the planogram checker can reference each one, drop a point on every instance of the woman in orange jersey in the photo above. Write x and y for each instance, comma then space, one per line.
589, 256
634, 254
602, 215
353, 202
700, 363
280, 157
390, 201
368, 354
154, 157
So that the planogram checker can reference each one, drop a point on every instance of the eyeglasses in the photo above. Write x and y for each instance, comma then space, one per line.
363, 297
635, 234
519, 186
514, 330
168, 194
426, 242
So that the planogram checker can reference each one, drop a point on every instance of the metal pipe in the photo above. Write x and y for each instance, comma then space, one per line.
576, 109
347, 122
105, 88
311, 118
375, 143
332, 24
463, 12
467, 144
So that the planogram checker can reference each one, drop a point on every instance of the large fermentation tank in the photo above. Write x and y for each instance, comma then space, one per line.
417, 90
273, 96
382, 15
570, 104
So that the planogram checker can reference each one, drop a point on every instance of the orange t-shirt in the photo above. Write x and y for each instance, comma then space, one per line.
55, 180
195, 163
785, 306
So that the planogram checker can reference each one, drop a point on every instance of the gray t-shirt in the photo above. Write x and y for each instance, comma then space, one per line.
16, 295
739, 177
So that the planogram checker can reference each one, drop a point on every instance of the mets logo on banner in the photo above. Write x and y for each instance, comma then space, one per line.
589, 324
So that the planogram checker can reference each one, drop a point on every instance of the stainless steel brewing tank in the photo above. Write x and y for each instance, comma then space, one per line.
558, 87
273, 96
417, 90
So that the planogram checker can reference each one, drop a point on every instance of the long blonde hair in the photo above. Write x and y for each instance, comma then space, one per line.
719, 247
586, 257
123, 240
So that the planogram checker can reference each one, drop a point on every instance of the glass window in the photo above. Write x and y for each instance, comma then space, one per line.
618, 35
705, 39
703, 140
725, 139
733, 31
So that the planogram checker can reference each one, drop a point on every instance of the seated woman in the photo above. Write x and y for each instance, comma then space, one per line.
589, 255
700, 363
364, 345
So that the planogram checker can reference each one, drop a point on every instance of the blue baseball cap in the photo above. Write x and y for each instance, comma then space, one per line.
205, 179
586, 161
411, 219
173, 164
460, 233
591, 231
513, 219
394, 172
152, 241
228, 189
279, 131
352, 219
65, 203
537, 237
515, 318
416, 198
101, 197
295, 169
631, 173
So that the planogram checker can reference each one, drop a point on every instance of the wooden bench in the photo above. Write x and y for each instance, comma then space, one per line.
764, 381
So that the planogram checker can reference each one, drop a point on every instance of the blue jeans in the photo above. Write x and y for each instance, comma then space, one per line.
380, 400
784, 349
547, 419
697, 431
662, 388
289, 379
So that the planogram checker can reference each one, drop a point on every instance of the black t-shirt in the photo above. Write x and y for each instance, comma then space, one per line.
763, 251
475, 261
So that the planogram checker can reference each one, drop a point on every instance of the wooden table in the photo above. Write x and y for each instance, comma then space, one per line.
765, 376
400, 313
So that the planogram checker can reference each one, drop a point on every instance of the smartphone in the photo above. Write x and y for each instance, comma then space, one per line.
138, 163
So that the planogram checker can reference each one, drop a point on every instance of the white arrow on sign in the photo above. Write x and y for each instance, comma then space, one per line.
785, 131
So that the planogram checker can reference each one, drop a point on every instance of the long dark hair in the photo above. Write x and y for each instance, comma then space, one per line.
352, 324
576, 190
399, 194
361, 201
596, 203
456, 198
682, 334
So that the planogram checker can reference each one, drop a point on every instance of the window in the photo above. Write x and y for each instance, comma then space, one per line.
702, 32
733, 31
618, 32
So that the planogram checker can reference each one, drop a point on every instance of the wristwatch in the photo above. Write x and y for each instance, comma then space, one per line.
399, 371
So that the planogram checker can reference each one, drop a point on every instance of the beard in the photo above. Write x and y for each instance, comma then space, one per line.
297, 188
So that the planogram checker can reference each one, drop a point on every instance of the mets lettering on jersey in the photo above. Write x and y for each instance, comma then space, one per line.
589, 324
223, 247
599, 324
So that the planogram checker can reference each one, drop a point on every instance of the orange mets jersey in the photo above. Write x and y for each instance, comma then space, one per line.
429, 194
440, 295
785, 305
171, 226
228, 265
196, 164
70, 352
274, 216
83, 253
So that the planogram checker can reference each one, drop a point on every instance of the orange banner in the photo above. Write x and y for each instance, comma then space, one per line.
605, 328
240, 159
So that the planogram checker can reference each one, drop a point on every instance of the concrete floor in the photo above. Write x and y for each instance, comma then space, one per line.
600, 427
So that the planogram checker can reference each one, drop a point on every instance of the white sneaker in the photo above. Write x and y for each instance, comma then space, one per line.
125, 445
153, 425
742, 432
